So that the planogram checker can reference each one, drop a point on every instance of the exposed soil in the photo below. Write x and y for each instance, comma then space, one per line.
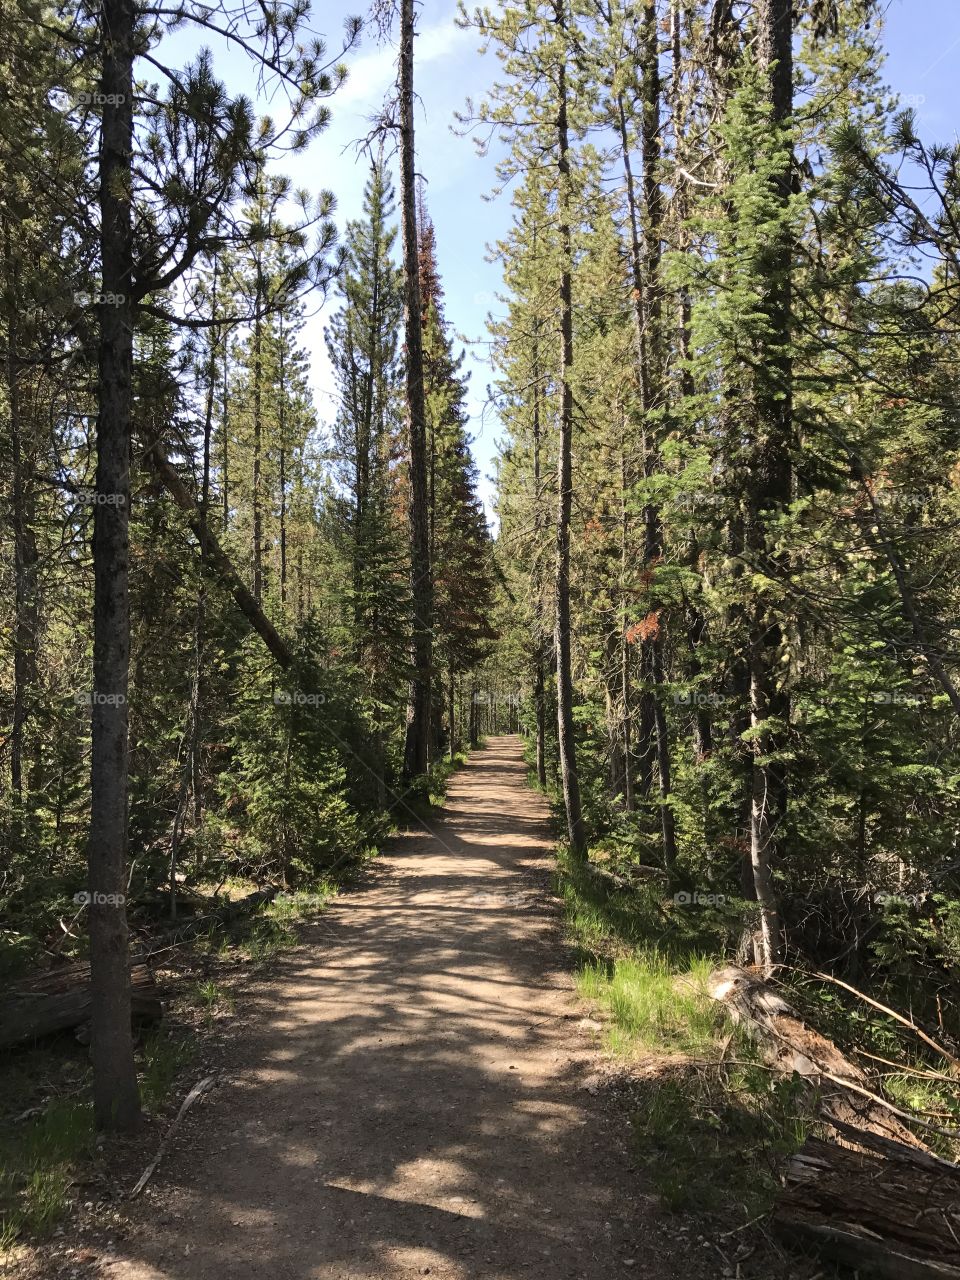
413, 1093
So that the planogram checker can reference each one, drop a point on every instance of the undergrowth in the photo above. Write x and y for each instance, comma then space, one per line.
36, 1160
710, 1123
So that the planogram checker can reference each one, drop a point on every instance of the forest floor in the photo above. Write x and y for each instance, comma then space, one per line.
414, 1090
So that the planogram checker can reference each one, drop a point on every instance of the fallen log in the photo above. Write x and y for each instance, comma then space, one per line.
791, 1047
881, 1202
60, 1001
892, 1212
195, 925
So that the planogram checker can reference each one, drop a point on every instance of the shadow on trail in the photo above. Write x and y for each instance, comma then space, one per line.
410, 1097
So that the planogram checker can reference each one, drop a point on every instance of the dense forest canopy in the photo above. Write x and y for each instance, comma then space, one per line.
720, 592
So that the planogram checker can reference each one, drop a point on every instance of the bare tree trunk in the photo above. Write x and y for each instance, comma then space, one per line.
540, 705
24, 556
281, 412
645, 262
224, 434
257, 547
771, 476
197, 699
115, 1095
539, 679
646, 725
474, 733
565, 732
624, 645
418, 713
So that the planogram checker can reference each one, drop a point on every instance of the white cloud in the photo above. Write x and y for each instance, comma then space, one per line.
372, 73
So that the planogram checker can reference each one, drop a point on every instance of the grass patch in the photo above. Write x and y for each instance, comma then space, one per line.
653, 1007
36, 1161
713, 1138
212, 999
165, 1055
263, 935
712, 1126
440, 774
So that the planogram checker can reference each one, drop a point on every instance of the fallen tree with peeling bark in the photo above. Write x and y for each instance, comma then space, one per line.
875, 1199
887, 1209
60, 1001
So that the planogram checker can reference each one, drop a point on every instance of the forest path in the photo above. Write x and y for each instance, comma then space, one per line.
410, 1098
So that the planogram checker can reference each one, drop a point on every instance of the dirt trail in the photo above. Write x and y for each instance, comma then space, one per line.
410, 1098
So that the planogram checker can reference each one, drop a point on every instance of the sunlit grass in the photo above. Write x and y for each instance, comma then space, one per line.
652, 1006
711, 1123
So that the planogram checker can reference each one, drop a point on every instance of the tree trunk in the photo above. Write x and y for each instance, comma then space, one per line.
565, 732
116, 1098
25, 619
647, 288
539, 640
626, 713
281, 416
771, 477
540, 706
256, 503
224, 435
418, 712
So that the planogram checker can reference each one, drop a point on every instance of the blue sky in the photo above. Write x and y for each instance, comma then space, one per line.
922, 40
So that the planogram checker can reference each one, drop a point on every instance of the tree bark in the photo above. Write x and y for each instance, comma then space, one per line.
256, 502
565, 732
771, 486
116, 1098
645, 258
25, 556
418, 712
539, 639
886, 1211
